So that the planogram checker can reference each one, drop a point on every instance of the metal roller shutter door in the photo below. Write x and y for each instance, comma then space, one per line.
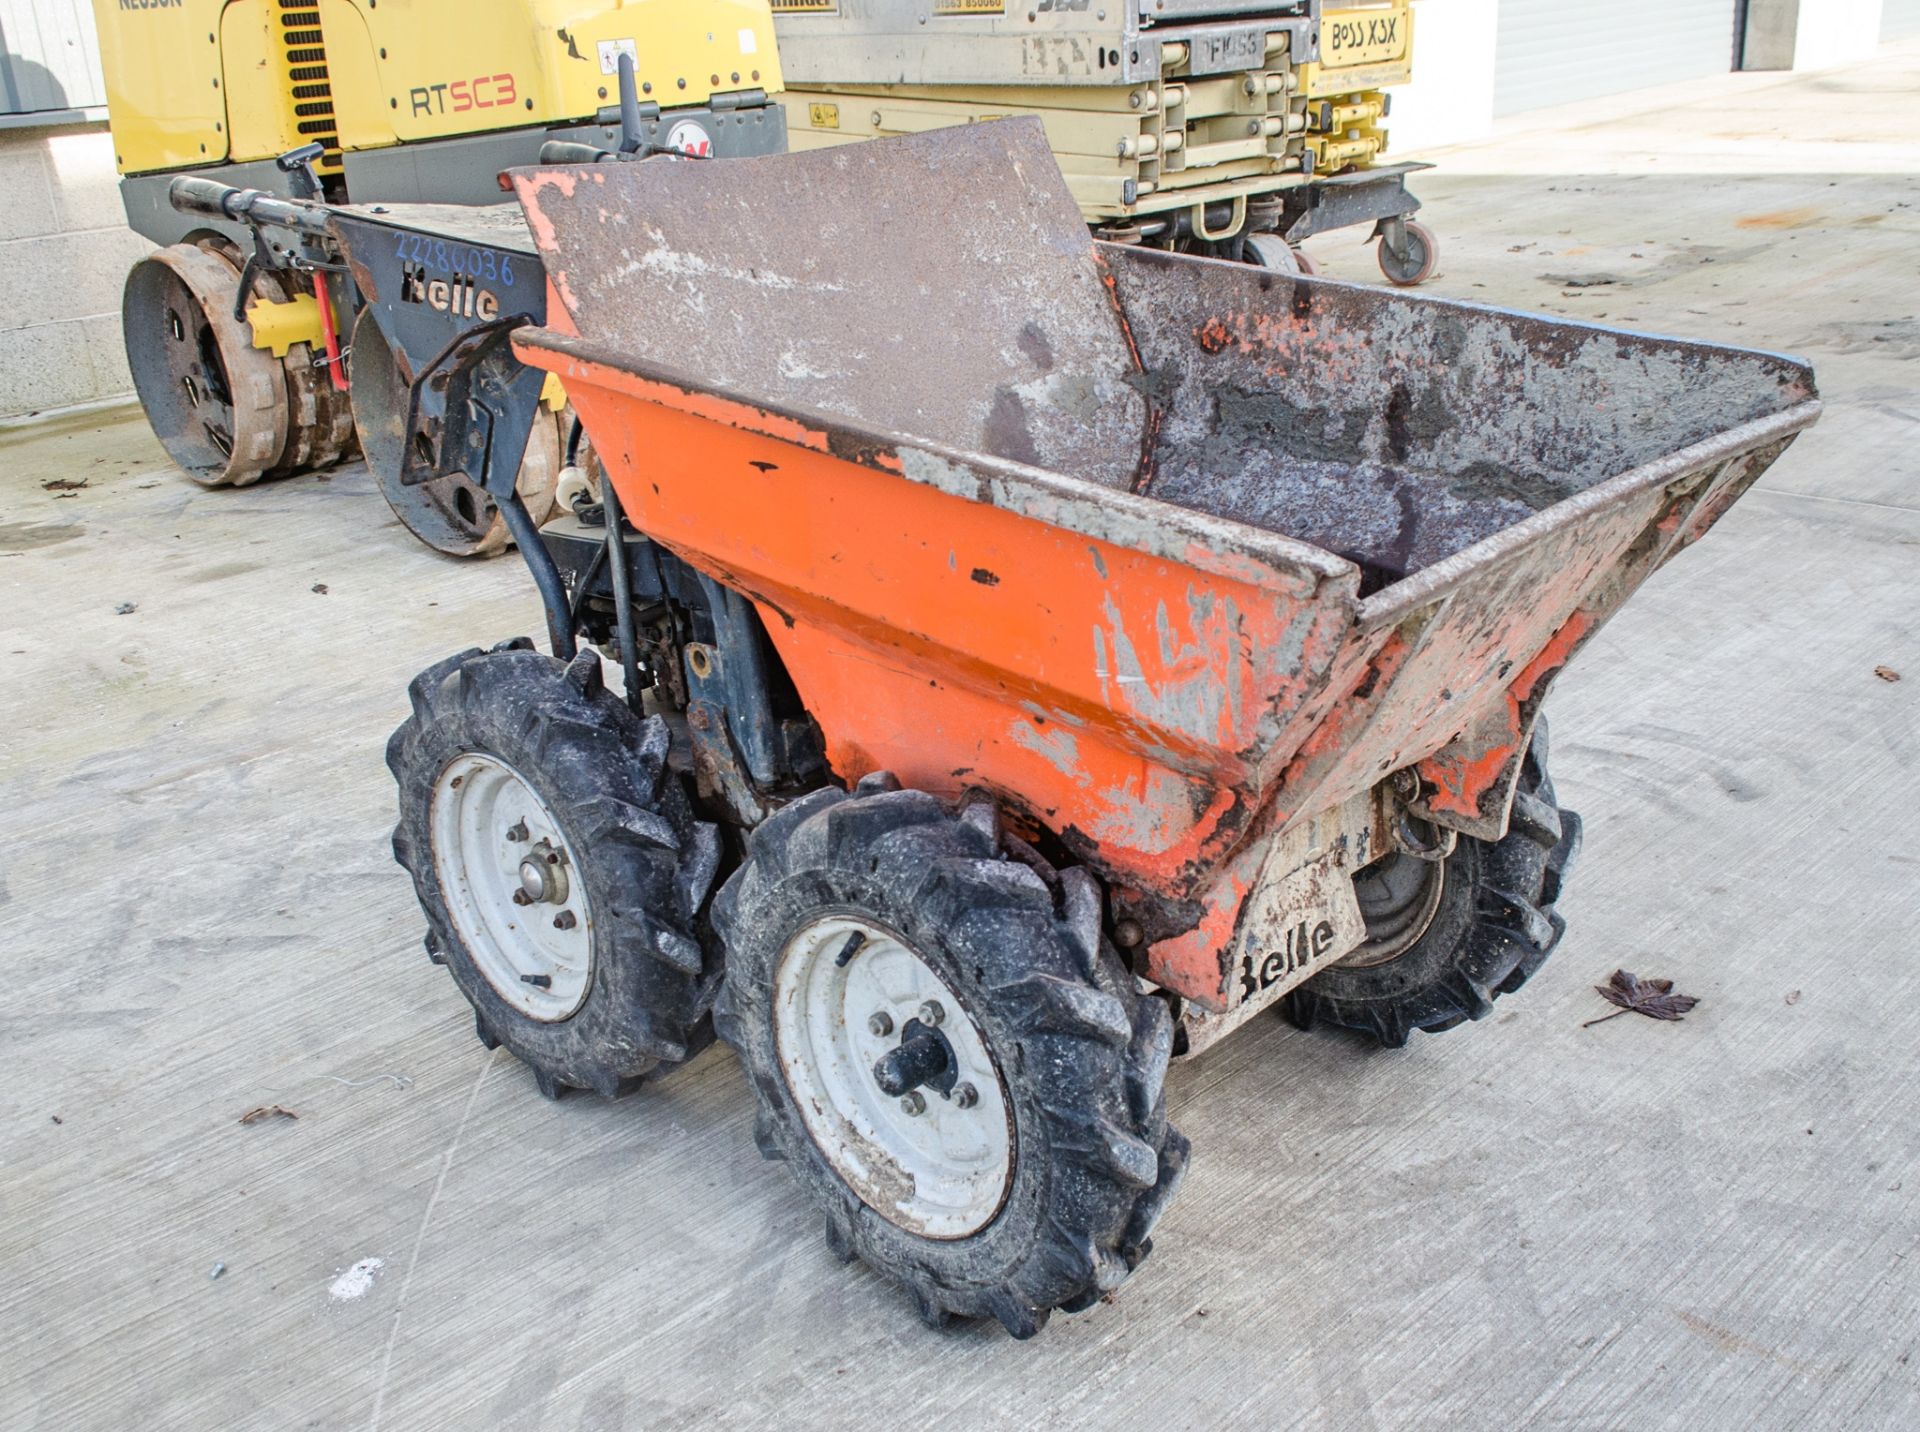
1556, 51
1900, 20
49, 58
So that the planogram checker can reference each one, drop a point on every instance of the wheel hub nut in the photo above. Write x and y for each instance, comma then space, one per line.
966, 1096
931, 1012
913, 1103
543, 876
880, 1024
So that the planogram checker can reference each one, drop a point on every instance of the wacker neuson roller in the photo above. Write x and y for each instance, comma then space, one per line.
1040, 656
254, 358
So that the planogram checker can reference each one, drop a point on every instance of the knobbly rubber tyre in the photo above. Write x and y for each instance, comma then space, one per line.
647, 864
1081, 1057
1494, 926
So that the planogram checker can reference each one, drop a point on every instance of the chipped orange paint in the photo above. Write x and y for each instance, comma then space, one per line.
726, 411
1165, 716
934, 635
559, 315
1465, 780
1196, 963
1553, 656
528, 188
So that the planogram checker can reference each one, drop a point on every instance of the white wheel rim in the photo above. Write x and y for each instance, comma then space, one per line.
942, 1173
488, 824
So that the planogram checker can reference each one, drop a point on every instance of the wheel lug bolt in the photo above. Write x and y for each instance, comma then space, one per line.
966, 1096
519, 831
913, 1103
520, 897
564, 920
931, 1012
880, 1024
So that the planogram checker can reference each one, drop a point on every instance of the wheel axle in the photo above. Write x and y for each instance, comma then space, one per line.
923, 1057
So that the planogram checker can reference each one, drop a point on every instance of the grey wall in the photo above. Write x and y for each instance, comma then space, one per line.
49, 56
64, 250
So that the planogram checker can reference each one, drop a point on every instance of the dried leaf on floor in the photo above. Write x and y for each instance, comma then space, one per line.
1886, 673
267, 1111
1653, 998
320, 588
64, 484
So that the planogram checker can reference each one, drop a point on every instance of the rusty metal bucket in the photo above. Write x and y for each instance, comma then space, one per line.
1169, 555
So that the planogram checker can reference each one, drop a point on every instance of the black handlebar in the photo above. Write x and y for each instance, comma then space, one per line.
201, 196
191, 194
566, 151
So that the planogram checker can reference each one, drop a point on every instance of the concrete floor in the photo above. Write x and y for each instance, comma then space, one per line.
1522, 1223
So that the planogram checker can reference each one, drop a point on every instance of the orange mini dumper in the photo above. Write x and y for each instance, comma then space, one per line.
1042, 655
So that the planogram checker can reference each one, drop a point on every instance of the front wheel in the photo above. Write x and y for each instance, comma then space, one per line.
559, 866
1445, 938
951, 1059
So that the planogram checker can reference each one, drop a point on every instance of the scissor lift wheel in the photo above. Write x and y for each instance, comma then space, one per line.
954, 1064
1407, 252
559, 866
1273, 252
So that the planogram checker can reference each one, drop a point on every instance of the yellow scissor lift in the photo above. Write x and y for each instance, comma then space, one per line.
1230, 127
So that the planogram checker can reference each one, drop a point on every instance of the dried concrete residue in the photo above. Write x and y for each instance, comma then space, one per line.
665, 261
1060, 749
357, 1281
1202, 683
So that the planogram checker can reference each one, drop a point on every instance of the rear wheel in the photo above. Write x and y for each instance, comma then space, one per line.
953, 1062
559, 866
451, 514
1445, 938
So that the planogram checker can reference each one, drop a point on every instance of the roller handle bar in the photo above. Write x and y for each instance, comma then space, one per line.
192, 194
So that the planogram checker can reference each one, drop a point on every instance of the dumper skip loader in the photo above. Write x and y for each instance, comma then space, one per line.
1038, 658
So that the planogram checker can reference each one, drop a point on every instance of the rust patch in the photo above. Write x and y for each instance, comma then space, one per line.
855, 447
